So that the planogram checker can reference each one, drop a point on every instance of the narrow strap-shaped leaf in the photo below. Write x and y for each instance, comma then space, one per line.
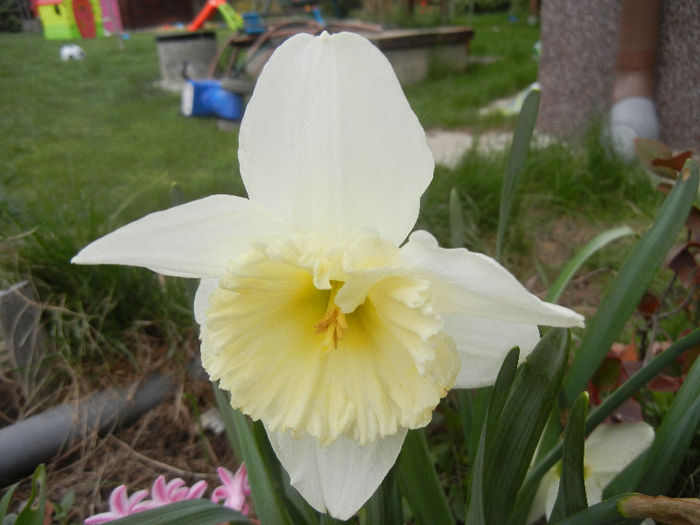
475, 510
226, 413
516, 163
419, 483
551, 435
5, 501
467, 416
594, 245
456, 220
520, 425
673, 437
34, 511
604, 513
327, 519
498, 397
189, 512
501, 391
266, 496
384, 507
480, 403
571, 497
393, 509
632, 280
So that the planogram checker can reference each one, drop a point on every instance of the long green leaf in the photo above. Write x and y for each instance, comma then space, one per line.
384, 507
475, 510
5, 501
474, 419
498, 398
594, 245
327, 519
633, 279
501, 390
516, 163
226, 413
571, 497
266, 495
34, 511
419, 483
456, 220
604, 513
467, 417
673, 437
189, 512
520, 425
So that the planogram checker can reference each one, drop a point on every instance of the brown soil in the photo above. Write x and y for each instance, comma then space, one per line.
167, 440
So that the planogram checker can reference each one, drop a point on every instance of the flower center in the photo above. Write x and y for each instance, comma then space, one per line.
328, 341
333, 321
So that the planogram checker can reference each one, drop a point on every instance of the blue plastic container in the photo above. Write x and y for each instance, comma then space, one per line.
252, 24
206, 98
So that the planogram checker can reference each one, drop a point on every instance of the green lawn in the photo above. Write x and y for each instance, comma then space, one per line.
91, 145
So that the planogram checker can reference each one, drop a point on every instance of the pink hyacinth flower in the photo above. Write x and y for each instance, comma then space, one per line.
120, 505
163, 493
235, 489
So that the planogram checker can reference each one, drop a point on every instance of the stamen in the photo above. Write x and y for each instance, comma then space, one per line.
334, 318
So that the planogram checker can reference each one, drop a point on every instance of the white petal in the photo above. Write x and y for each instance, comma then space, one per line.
594, 484
201, 299
470, 283
483, 344
541, 504
552, 492
338, 478
196, 239
329, 140
610, 448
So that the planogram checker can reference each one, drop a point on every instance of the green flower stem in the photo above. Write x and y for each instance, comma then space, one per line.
419, 483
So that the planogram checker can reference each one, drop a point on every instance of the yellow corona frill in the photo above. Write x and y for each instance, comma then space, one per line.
319, 314
328, 341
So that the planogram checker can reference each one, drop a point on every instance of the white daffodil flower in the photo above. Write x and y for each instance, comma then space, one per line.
608, 450
313, 316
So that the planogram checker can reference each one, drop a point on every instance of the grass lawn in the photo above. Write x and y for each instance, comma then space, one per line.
91, 145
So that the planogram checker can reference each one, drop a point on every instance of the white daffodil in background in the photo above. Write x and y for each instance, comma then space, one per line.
608, 450
313, 315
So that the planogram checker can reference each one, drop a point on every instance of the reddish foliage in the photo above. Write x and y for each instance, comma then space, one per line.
684, 262
648, 305
674, 162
